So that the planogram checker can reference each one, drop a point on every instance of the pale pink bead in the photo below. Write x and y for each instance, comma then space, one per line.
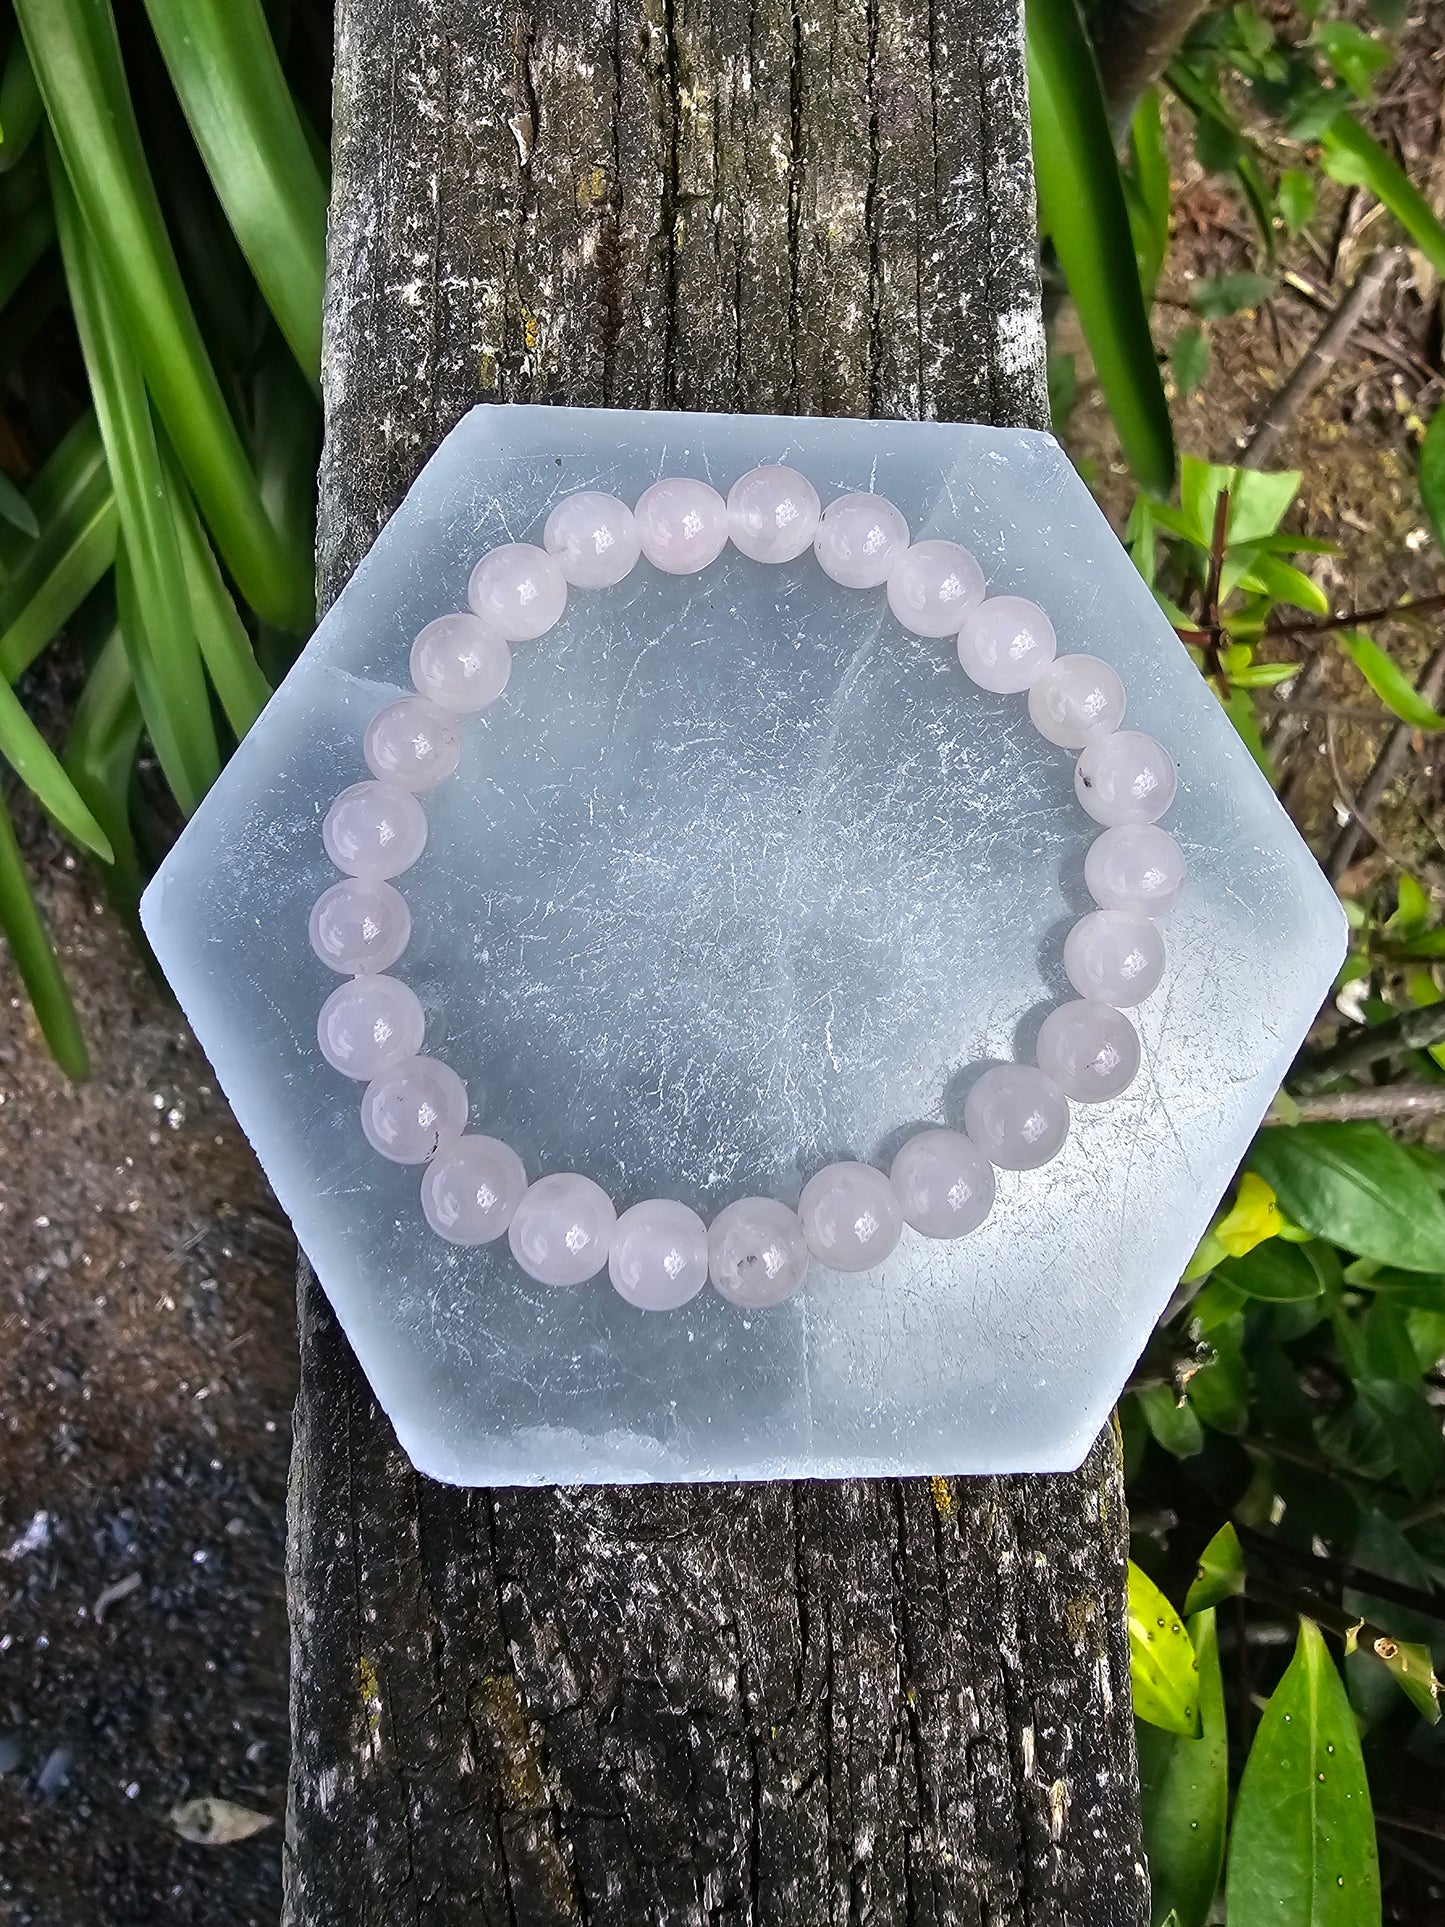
561, 1231
412, 743
460, 663
1074, 699
933, 586
594, 537
1125, 777
756, 1252
773, 514
859, 539
658, 1256
944, 1183
1089, 1049
1134, 866
1006, 644
410, 1110
850, 1216
374, 830
519, 589
683, 524
1114, 957
472, 1189
359, 925
368, 1024
1017, 1116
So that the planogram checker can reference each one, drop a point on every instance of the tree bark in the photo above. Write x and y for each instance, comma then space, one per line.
861, 1702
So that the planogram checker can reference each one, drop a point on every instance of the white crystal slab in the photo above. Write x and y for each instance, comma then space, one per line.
738, 878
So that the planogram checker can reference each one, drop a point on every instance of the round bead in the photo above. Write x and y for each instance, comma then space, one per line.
472, 1189
374, 830
1075, 699
561, 1231
1017, 1116
594, 538
1125, 777
1006, 644
519, 589
412, 743
658, 1258
850, 1216
933, 586
773, 514
859, 539
1114, 957
359, 925
683, 524
460, 663
943, 1183
369, 1024
1135, 866
412, 1109
756, 1252
1089, 1049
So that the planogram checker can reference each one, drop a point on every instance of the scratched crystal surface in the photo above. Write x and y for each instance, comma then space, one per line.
736, 879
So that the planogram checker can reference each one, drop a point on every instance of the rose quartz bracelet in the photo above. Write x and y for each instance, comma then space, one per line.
563, 1228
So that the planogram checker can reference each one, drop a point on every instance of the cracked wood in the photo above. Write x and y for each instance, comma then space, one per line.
856, 1702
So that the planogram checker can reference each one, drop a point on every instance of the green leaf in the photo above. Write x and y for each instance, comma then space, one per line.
1173, 1421
99, 756
1082, 206
1189, 359
1388, 680
34, 958
1355, 55
1220, 1574
20, 109
1296, 200
1240, 710
1162, 1667
1432, 475
1276, 1272
15, 510
1149, 204
38, 768
43, 582
1412, 1430
225, 647
1355, 158
1355, 1186
1398, 1656
1221, 295
1259, 500
1303, 1851
222, 62
1219, 1390
1282, 582
1184, 1785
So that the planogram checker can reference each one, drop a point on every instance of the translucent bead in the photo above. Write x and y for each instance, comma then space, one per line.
594, 537
756, 1252
561, 1231
658, 1257
460, 663
933, 586
859, 539
519, 589
412, 743
472, 1189
1017, 1116
773, 514
1125, 777
943, 1183
412, 1109
1135, 866
374, 830
360, 925
1075, 699
683, 524
1006, 644
850, 1216
369, 1024
1089, 1049
1114, 957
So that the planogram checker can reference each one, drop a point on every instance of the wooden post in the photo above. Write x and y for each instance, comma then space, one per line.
829, 1702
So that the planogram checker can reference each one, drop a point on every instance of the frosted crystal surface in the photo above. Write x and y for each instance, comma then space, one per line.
738, 879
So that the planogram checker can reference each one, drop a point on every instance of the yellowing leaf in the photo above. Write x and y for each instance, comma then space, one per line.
1254, 1216
1163, 1668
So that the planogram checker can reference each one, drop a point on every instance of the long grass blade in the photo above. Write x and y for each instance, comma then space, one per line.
1082, 205
150, 574
38, 767
223, 65
1354, 157
99, 757
35, 960
43, 582
77, 60
226, 648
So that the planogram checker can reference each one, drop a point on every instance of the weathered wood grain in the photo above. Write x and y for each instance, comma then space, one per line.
852, 1702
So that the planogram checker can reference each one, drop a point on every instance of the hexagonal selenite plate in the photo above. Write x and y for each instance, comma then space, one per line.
738, 878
